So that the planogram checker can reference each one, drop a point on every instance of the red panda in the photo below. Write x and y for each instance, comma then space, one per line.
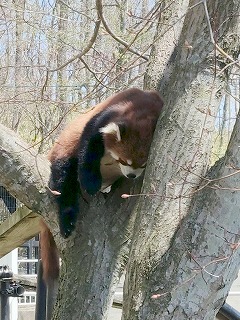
94, 150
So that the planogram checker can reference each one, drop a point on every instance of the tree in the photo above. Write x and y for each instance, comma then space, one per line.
188, 253
180, 232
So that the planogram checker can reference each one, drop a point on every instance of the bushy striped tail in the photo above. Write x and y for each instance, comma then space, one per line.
49, 254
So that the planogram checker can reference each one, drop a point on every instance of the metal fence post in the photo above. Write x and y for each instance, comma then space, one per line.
5, 309
8, 288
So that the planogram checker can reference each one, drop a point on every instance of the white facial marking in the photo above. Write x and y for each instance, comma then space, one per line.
129, 162
111, 128
114, 155
128, 170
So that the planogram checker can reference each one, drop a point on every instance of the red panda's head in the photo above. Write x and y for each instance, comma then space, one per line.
129, 144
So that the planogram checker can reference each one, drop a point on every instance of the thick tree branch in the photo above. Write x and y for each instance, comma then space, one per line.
204, 256
23, 171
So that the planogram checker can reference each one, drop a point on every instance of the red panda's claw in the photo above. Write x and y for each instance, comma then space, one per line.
54, 192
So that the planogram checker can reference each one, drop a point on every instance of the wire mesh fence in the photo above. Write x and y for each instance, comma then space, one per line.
8, 204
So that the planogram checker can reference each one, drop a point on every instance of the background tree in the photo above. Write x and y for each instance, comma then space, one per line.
55, 60
182, 227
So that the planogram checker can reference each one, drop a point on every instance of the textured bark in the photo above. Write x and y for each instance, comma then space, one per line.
170, 24
193, 277
19, 49
202, 262
24, 172
162, 281
95, 257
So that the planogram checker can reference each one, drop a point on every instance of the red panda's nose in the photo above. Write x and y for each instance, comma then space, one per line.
131, 176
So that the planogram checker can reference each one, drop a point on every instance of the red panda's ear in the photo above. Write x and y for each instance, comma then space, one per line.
111, 128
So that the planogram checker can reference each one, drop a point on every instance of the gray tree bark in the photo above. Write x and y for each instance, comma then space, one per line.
19, 49
181, 262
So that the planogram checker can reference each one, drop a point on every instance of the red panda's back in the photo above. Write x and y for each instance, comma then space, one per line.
67, 142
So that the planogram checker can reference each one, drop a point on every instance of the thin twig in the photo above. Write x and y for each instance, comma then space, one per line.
109, 31
219, 49
84, 51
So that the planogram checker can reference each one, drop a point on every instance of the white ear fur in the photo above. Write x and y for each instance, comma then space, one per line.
111, 128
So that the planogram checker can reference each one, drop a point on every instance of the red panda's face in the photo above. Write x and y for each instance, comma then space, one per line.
129, 146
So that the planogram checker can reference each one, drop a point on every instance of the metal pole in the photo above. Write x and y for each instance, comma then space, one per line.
8, 288
229, 312
5, 309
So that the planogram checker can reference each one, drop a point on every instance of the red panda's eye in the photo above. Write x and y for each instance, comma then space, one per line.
124, 163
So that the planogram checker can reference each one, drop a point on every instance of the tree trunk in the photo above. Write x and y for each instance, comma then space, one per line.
167, 271
94, 259
62, 74
19, 51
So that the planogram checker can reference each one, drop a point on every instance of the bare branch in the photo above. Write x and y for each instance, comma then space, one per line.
219, 49
104, 22
84, 51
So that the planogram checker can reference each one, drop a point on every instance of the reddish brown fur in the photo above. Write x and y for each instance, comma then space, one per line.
49, 254
133, 137
67, 142
141, 113
133, 109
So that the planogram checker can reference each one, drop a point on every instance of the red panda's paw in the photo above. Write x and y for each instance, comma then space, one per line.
90, 181
68, 217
